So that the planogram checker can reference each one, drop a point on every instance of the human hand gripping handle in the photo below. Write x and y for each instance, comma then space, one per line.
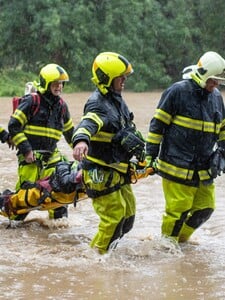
80, 150
29, 157
10, 143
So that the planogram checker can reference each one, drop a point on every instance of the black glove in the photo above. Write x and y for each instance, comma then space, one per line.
63, 179
4, 136
132, 142
217, 163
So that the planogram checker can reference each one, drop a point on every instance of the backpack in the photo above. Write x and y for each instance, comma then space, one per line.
35, 104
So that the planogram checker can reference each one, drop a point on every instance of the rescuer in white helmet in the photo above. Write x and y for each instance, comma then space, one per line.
186, 142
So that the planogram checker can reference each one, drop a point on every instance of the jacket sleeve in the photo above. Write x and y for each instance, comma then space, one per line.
91, 122
221, 140
18, 121
160, 121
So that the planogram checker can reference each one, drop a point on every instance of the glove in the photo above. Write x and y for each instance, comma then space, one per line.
132, 142
217, 163
4, 136
63, 179
150, 162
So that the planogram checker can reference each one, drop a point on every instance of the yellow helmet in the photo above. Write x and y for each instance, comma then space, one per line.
50, 73
210, 65
106, 67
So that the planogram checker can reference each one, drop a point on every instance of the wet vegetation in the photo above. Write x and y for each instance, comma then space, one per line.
159, 37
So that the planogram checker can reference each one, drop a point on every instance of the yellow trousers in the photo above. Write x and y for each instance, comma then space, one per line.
38, 169
186, 208
116, 209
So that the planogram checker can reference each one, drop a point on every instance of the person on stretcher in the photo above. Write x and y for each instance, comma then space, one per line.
64, 186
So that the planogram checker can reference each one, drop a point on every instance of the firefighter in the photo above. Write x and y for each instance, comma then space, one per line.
105, 140
37, 126
188, 124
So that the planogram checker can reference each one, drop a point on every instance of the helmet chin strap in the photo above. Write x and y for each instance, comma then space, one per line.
104, 90
198, 80
38, 87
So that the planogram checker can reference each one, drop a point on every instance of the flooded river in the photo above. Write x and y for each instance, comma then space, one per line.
43, 259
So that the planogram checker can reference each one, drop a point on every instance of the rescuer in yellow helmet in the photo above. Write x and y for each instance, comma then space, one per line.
37, 125
105, 140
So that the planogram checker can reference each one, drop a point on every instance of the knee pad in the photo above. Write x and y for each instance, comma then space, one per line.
199, 217
128, 224
123, 227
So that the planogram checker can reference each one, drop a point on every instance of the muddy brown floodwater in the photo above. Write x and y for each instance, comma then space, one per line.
40, 259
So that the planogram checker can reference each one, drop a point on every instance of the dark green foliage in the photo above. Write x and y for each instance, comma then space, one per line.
159, 38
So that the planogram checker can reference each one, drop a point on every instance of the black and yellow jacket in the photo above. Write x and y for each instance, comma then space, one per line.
43, 129
104, 116
187, 124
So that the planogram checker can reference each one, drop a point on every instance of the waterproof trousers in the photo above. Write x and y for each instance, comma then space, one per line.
116, 206
43, 167
186, 208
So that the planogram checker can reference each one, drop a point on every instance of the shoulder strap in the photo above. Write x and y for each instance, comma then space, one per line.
36, 103
15, 102
62, 103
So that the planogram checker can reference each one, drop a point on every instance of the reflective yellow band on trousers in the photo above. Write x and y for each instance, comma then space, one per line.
179, 172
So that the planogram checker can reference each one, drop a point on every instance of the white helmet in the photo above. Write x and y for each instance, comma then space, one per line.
210, 65
29, 88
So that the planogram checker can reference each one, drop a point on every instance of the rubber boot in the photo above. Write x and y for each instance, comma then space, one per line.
185, 233
58, 213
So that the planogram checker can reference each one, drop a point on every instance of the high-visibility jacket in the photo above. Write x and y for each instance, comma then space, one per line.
42, 130
104, 116
187, 124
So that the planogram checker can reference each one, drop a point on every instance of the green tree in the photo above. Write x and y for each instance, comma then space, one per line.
159, 37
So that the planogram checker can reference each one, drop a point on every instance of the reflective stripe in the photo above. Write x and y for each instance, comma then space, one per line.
43, 131
223, 123
174, 171
19, 138
222, 135
197, 124
188, 122
94, 117
181, 172
68, 125
20, 116
121, 167
82, 130
203, 175
102, 136
163, 116
154, 138
55, 157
